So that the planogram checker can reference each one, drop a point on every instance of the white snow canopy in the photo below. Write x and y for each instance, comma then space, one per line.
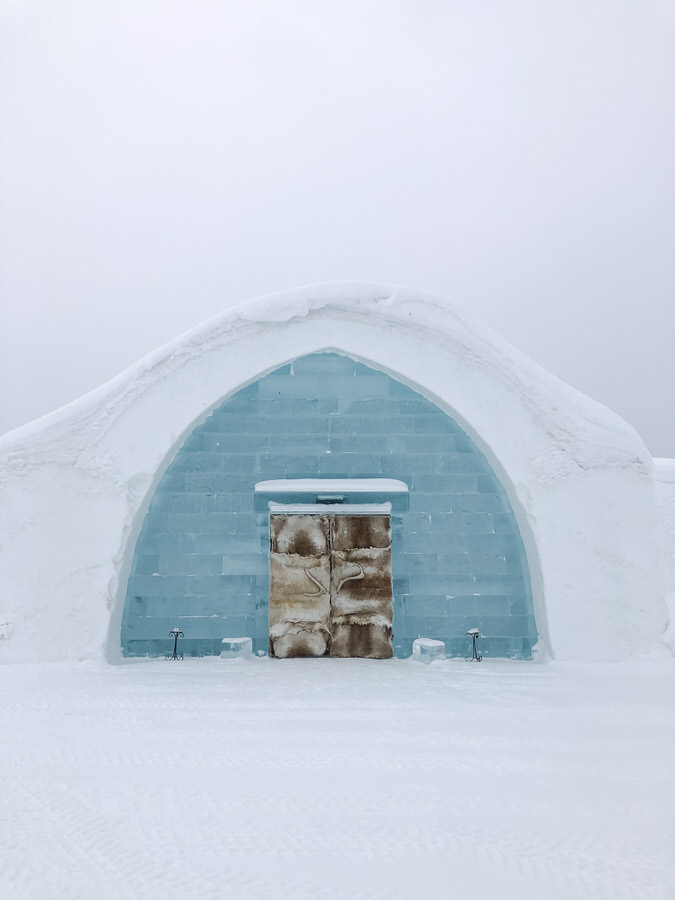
75, 486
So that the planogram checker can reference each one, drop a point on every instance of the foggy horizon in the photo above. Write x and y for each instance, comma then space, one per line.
160, 164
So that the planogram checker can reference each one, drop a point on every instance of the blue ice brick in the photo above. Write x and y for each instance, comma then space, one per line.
372, 406
477, 502
364, 425
201, 628
403, 626
301, 445
226, 503
283, 466
163, 523
220, 423
469, 463
518, 606
426, 650
236, 624
513, 648
346, 465
487, 481
145, 565
233, 444
418, 523
208, 482
489, 585
506, 626
195, 441
210, 543
135, 648
506, 522
245, 542
434, 423
420, 562
362, 369
175, 564
156, 585
410, 406
401, 584
251, 390
421, 462
459, 523
274, 426
201, 461
413, 444
460, 646
464, 444
241, 403
326, 365
237, 463
428, 502
137, 606
143, 629
173, 480
234, 601
236, 648
433, 605
207, 523
215, 585
402, 647
241, 521
163, 606
482, 606
299, 387
175, 502
423, 626
417, 543
206, 564
487, 564
505, 544
244, 563
175, 544
429, 585
202, 647
373, 445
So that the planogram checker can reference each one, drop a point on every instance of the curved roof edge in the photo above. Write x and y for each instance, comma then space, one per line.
405, 307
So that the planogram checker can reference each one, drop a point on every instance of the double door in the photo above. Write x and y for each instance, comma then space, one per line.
330, 585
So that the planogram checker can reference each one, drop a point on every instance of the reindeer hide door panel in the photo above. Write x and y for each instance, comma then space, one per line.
361, 586
330, 585
299, 603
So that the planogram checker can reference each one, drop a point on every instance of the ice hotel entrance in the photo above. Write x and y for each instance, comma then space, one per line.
327, 508
331, 588
529, 513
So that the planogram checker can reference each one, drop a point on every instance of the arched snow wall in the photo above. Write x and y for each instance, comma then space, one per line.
75, 485
201, 560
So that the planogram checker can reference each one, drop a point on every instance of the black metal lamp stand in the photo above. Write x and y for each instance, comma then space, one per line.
175, 633
474, 634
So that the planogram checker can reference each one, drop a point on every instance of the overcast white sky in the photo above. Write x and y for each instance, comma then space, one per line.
161, 161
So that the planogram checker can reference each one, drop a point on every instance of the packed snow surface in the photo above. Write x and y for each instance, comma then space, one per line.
335, 779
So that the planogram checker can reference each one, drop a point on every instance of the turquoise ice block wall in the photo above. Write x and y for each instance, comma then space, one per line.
201, 559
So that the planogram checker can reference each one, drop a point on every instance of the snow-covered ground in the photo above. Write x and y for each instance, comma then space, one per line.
325, 778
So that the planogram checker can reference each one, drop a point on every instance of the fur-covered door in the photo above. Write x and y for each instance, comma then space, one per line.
330, 585
361, 586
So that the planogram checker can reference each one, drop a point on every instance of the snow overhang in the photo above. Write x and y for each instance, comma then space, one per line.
348, 495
